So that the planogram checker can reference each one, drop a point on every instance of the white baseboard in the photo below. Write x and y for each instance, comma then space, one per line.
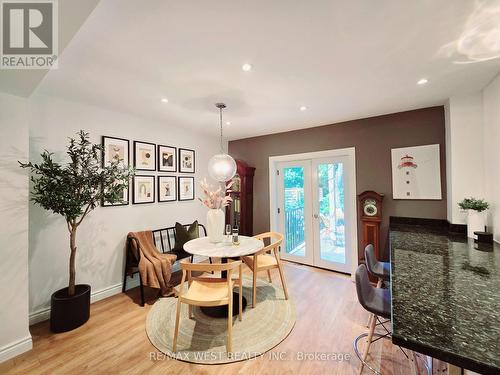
106, 292
133, 282
39, 316
14, 349
44, 314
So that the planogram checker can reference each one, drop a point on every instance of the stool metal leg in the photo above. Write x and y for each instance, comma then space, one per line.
358, 354
375, 336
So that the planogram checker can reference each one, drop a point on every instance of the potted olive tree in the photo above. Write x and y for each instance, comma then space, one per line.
476, 214
73, 190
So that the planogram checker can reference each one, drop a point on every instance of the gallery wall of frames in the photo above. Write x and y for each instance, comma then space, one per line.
162, 172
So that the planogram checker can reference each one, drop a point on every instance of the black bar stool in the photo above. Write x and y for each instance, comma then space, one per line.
376, 301
381, 270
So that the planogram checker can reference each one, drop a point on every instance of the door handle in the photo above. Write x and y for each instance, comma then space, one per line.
315, 216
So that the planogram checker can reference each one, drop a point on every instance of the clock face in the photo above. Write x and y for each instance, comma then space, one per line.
370, 208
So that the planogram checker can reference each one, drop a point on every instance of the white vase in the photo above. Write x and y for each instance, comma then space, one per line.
215, 225
475, 222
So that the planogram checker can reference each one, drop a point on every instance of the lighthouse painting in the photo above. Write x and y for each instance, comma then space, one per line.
416, 172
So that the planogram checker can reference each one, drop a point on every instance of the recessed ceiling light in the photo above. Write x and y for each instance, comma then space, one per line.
228, 122
422, 81
246, 67
164, 100
303, 108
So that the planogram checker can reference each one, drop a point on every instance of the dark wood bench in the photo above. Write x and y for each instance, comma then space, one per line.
164, 240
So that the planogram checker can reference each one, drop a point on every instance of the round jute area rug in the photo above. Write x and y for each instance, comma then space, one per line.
203, 339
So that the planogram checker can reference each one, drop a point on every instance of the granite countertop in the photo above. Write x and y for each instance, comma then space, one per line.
446, 297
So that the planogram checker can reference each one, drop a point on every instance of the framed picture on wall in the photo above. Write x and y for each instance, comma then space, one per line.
123, 202
416, 172
186, 188
144, 189
167, 158
186, 160
116, 149
144, 156
167, 188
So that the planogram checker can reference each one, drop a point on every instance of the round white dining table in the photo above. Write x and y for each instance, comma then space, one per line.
224, 250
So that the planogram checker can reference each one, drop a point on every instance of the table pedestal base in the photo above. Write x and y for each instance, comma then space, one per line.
221, 311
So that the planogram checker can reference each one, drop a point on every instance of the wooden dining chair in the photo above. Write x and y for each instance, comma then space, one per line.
266, 259
209, 291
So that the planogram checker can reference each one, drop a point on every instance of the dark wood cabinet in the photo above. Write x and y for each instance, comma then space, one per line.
240, 212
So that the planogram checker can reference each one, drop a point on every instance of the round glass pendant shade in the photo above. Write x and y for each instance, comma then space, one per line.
221, 167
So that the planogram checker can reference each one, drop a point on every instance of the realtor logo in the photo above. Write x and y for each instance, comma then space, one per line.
29, 34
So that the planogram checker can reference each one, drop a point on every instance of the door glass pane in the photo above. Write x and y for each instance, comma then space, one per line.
331, 212
293, 178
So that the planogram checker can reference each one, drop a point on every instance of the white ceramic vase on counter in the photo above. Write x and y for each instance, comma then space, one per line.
215, 225
476, 222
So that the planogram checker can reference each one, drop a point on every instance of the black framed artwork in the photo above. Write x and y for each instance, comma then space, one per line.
167, 188
167, 158
144, 189
116, 149
124, 201
186, 160
144, 156
186, 188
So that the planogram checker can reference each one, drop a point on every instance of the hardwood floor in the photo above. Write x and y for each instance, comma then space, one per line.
114, 340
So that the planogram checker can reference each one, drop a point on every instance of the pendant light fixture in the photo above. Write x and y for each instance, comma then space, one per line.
221, 167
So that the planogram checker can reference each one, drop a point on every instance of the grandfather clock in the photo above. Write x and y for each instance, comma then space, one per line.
240, 212
370, 213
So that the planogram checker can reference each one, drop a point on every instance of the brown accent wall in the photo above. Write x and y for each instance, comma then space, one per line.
373, 139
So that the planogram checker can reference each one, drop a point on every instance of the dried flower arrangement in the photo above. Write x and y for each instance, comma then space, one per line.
215, 199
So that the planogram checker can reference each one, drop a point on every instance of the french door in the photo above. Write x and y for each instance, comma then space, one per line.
315, 211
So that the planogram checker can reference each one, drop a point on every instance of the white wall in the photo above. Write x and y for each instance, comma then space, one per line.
14, 334
473, 152
491, 106
101, 237
465, 157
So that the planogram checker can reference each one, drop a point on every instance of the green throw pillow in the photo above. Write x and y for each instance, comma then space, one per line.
182, 235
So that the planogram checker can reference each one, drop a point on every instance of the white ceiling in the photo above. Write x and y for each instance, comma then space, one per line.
343, 59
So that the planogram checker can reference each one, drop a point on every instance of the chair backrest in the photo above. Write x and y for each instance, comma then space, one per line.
187, 267
275, 241
370, 258
363, 287
209, 267
164, 239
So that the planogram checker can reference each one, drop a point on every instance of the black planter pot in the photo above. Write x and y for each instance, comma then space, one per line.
67, 313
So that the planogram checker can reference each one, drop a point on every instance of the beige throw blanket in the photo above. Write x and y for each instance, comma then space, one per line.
155, 267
